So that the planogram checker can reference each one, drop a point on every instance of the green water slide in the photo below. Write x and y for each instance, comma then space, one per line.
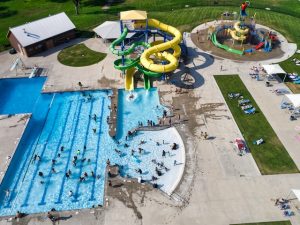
147, 72
147, 83
128, 63
128, 51
225, 47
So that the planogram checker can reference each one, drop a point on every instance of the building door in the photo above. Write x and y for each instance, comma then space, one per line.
49, 44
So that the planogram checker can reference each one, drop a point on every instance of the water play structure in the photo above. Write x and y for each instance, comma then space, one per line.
151, 59
241, 32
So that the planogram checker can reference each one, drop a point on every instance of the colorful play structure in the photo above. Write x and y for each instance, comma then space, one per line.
151, 59
242, 32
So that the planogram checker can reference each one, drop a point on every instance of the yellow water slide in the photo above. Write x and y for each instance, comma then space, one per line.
237, 27
159, 49
129, 79
233, 34
238, 33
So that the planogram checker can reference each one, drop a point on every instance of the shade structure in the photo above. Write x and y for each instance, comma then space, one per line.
296, 193
110, 30
133, 15
294, 99
274, 69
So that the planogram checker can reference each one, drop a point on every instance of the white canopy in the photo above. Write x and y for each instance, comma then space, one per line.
296, 193
294, 99
110, 30
273, 69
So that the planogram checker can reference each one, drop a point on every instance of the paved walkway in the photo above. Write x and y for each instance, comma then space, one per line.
65, 78
269, 103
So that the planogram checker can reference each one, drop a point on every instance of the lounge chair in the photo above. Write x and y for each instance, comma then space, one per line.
288, 213
284, 207
259, 141
296, 82
243, 102
234, 95
296, 79
292, 76
284, 105
244, 107
249, 111
281, 91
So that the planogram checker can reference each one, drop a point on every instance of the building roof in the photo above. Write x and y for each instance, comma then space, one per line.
133, 15
36, 31
274, 69
110, 30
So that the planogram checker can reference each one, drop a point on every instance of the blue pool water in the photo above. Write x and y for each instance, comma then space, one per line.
18, 95
145, 106
66, 119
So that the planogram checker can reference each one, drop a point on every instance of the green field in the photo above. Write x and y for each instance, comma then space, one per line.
271, 157
79, 55
283, 17
290, 66
267, 223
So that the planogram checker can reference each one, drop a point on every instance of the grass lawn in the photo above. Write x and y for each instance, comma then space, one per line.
271, 157
79, 55
267, 223
290, 67
283, 17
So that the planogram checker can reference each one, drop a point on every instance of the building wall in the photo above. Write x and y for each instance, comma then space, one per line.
42, 45
64, 37
49, 43
15, 44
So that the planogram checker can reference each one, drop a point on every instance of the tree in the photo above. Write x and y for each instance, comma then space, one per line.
77, 4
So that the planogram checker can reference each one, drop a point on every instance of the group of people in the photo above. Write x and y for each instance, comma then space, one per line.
150, 123
140, 151
114, 107
204, 135
130, 134
84, 176
160, 166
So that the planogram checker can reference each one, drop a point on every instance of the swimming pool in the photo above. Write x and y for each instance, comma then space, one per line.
19, 95
61, 119
62, 127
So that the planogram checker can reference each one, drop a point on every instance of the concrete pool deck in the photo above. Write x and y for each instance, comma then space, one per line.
12, 128
218, 187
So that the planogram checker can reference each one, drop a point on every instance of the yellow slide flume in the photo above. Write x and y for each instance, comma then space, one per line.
129, 79
237, 27
235, 37
242, 33
159, 50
